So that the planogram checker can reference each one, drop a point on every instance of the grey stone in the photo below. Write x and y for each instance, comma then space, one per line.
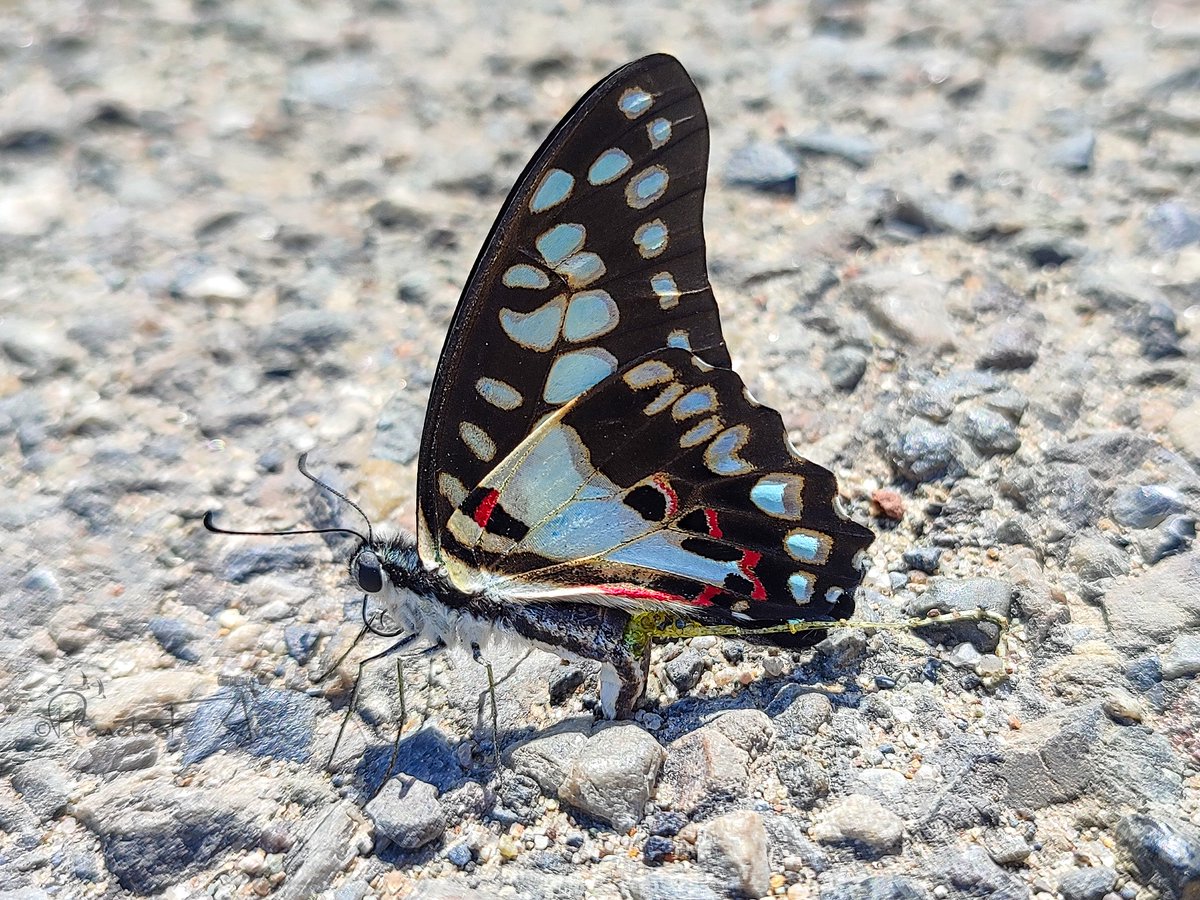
240, 716
1165, 851
45, 786
1175, 535
973, 873
1095, 558
859, 152
1144, 506
1081, 752
1108, 455
614, 774
175, 635
703, 770
845, 367
1087, 884
398, 432
861, 823
797, 712
337, 82
988, 431
1157, 329
407, 812
296, 336
684, 670
322, 854
805, 780
547, 759
669, 886
1005, 847
1171, 226
42, 351
459, 854
1011, 345
1181, 658
1048, 249
1153, 608
1074, 153
564, 682
877, 887
910, 310
300, 639
733, 848
176, 830
923, 559
240, 565
923, 452
747, 729
911, 216
118, 754
763, 166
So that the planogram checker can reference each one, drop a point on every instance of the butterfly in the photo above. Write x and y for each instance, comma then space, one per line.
589, 459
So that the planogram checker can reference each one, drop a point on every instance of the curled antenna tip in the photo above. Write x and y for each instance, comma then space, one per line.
208, 520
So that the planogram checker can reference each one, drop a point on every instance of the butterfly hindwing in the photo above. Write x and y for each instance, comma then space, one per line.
597, 258
667, 484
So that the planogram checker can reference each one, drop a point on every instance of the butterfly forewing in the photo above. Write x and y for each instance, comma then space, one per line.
596, 259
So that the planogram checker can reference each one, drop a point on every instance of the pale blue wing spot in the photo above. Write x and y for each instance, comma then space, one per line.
554, 188
452, 489
634, 102
659, 132
651, 372
525, 276
721, 455
537, 330
477, 440
679, 339
560, 242
694, 402
663, 284
546, 474
668, 396
581, 269
646, 187
808, 546
651, 238
801, 586
589, 315
660, 551
575, 372
609, 166
499, 393
779, 495
700, 433
767, 495
574, 512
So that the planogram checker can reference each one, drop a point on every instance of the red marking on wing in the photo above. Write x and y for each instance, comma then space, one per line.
710, 518
483, 512
748, 561
660, 481
704, 598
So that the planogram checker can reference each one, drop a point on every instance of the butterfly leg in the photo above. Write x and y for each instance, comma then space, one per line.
394, 648
478, 657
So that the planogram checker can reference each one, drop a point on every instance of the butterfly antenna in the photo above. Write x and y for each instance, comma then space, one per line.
210, 526
302, 465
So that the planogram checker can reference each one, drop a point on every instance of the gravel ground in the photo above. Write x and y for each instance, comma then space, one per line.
958, 248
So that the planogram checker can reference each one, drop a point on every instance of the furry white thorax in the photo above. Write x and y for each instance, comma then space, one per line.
461, 630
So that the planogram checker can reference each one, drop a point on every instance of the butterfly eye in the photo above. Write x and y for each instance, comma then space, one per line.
368, 572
